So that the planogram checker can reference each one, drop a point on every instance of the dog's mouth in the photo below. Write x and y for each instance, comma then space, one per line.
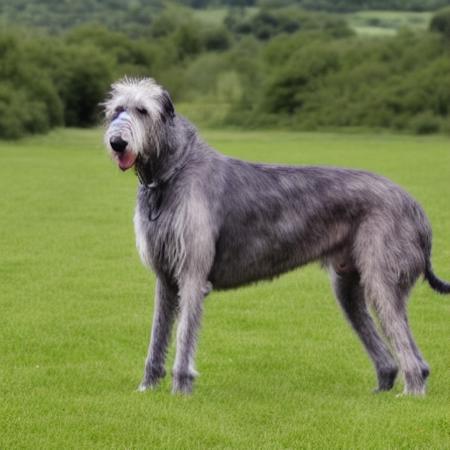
125, 160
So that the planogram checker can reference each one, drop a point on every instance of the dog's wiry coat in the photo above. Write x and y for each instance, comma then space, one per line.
204, 221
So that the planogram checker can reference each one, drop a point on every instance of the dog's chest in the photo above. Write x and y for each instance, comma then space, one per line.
160, 241
142, 230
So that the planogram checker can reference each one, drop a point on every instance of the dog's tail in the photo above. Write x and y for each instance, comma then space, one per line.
437, 284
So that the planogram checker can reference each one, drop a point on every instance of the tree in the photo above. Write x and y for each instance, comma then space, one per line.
440, 23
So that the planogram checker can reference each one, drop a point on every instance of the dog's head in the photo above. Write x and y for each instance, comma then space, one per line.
137, 113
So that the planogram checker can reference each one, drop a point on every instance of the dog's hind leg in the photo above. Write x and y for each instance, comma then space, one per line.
350, 294
390, 259
166, 302
390, 305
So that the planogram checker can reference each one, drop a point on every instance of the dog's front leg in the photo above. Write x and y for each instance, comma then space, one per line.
166, 301
192, 294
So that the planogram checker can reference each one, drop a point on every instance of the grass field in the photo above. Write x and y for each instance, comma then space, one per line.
279, 366
385, 23
368, 23
216, 16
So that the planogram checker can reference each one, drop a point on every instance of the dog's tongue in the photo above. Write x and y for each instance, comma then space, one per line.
126, 160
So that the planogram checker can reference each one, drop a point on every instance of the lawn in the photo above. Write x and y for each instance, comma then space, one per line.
280, 368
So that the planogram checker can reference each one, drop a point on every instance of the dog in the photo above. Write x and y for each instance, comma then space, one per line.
204, 221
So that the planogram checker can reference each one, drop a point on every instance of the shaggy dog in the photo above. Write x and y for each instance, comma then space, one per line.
205, 221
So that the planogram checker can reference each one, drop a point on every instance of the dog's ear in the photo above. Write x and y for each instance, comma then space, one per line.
168, 110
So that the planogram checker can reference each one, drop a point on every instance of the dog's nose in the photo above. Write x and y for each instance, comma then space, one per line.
118, 144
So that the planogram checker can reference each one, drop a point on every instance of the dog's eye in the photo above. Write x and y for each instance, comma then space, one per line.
117, 112
142, 111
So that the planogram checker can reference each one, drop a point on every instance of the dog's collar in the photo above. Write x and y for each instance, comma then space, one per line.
154, 185
155, 180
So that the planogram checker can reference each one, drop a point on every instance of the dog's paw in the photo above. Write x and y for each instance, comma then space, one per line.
386, 379
152, 378
151, 381
146, 386
183, 384
416, 392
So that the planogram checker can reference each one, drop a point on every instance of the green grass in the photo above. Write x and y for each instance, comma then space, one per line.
279, 366
212, 16
386, 23
216, 16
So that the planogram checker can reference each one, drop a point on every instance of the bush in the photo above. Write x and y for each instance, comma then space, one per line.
440, 23
85, 82
20, 114
289, 89
188, 41
29, 101
12, 122
200, 77
216, 39
425, 123
268, 23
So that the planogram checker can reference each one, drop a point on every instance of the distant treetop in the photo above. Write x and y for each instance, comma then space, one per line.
329, 5
131, 16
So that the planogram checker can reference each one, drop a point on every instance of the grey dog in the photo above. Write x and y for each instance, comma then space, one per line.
205, 221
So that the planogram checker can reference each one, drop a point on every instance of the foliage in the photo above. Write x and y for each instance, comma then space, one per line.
87, 77
45, 83
55, 15
441, 23
359, 5
29, 102
267, 23
314, 81
135, 16
261, 67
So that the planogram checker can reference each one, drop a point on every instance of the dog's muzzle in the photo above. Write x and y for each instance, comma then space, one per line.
118, 144
123, 155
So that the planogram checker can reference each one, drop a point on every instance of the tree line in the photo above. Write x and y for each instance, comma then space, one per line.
276, 67
340, 6
133, 15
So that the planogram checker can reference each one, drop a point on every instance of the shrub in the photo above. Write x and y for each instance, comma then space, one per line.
20, 114
200, 77
84, 85
29, 101
216, 39
440, 23
425, 123
188, 41
12, 124
290, 87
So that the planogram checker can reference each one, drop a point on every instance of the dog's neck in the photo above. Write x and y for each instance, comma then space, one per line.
161, 167
154, 172
148, 171
153, 175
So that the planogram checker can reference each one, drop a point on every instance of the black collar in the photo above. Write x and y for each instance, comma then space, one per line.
154, 182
